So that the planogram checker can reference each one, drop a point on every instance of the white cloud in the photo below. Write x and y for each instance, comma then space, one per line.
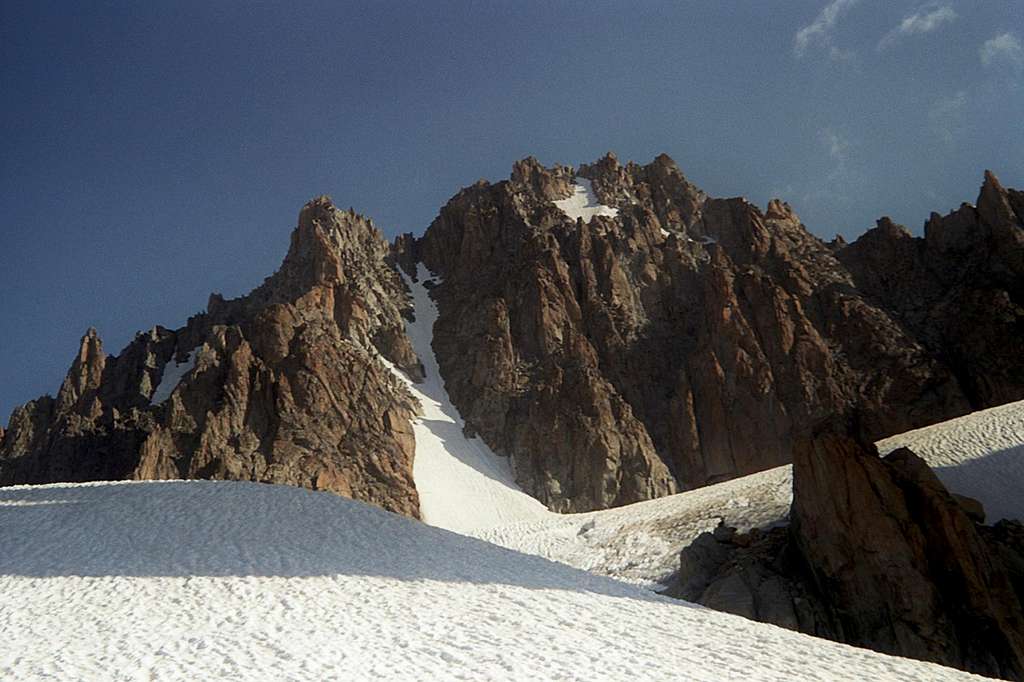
925, 20
1004, 49
946, 116
832, 185
819, 31
837, 145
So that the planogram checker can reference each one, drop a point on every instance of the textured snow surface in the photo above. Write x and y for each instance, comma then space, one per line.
172, 375
463, 486
980, 455
226, 580
640, 543
583, 203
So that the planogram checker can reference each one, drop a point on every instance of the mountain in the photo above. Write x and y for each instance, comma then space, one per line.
283, 385
215, 580
650, 339
610, 334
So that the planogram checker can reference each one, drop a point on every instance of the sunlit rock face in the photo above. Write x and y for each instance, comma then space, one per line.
612, 329
621, 335
281, 386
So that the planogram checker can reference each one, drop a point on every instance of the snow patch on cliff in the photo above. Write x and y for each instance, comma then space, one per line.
582, 203
173, 373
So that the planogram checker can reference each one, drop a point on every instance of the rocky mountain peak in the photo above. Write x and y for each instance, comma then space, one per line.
329, 244
632, 342
530, 175
996, 205
86, 371
779, 210
283, 385
892, 230
680, 315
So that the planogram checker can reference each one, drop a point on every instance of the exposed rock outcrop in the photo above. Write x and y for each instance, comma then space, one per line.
878, 554
688, 340
282, 386
959, 290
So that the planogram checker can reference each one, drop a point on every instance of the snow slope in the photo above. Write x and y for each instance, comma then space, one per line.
190, 580
980, 455
463, 486
640, 543
582, 203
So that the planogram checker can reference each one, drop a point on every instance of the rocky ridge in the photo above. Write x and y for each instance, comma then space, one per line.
675, 341
688, 339
283, 385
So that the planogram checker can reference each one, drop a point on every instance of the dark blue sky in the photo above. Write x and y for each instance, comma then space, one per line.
153, 153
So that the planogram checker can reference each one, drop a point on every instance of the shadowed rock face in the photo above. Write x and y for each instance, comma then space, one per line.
284, 385
614, 363
959, 290
880, 555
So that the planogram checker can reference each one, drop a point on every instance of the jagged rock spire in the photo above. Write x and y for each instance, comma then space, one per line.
86, 370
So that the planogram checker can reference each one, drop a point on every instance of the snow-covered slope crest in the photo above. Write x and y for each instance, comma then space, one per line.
980, 455
640, 543
582, 203
225, 580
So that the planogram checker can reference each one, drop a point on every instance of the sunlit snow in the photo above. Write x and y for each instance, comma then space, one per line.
583, 204
463, 486
980, 455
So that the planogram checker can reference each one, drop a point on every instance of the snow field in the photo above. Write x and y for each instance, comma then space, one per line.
980, 455
187, 580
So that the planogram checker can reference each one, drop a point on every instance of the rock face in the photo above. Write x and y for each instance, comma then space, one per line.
282, 386
959, 290
878, 555
670, 341
688, 340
